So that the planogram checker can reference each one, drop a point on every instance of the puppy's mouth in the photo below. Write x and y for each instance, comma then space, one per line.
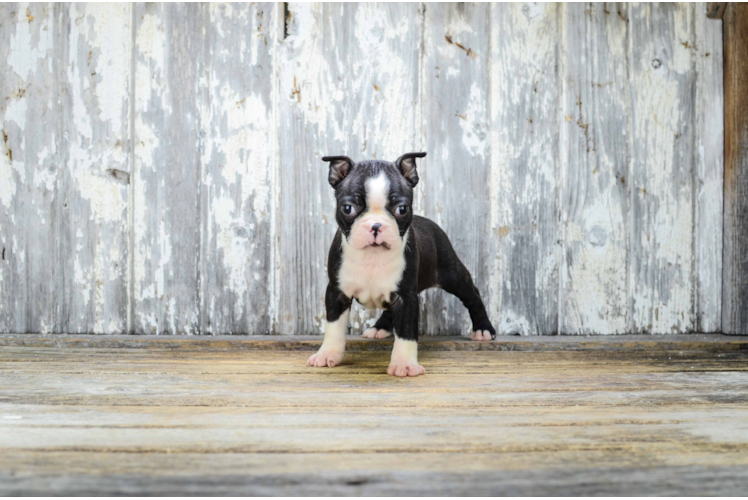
380, 245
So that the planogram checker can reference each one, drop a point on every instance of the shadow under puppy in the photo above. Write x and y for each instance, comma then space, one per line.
383, 256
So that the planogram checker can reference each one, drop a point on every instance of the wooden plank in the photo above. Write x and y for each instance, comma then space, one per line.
96, 57
238, 157
347, 86
279, 382
595, 144
662, 236
455, 176
225, 466
29, 168
60, 376
709, 151
629, 343
715, 10
524, 168
151, 431
251, 476
735, 269
165, 217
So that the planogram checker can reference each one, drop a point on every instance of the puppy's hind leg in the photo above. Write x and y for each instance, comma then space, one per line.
458, 282
382, 328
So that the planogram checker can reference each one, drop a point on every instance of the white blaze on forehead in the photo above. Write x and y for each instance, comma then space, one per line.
377, 189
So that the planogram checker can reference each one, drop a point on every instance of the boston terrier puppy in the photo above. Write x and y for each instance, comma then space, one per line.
383, 256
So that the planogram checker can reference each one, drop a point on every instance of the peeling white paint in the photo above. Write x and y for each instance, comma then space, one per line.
152, 45
246, 148
30, 44
511, 323
106, 197
150, 250
475, 135
16, 112
7, 181
232, 250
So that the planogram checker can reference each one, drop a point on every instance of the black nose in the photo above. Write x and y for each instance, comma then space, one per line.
375, 228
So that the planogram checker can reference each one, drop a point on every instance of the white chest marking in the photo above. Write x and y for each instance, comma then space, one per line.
369, 275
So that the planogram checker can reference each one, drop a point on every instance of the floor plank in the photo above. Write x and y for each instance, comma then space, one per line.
571, 416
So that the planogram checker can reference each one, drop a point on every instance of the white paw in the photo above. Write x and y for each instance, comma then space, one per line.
480, 335
404, 361
373, 333
405, 369
325, 357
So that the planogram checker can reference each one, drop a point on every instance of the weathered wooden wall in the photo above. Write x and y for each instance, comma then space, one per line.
161, 170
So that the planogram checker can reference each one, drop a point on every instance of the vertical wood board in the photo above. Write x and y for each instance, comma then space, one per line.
456, 128
95, 105
167, 170
709, 172
662, 243
595, 155
524, 168
29, 168
236, 89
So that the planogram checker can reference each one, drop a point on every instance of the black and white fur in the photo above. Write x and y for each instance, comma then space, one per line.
383, 256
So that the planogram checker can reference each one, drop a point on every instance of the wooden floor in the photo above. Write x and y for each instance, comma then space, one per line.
220, 416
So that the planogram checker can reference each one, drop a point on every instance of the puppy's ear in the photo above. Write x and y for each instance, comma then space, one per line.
340, 166
407, 166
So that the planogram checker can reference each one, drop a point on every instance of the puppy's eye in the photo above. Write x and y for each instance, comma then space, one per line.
402, 210
348, 209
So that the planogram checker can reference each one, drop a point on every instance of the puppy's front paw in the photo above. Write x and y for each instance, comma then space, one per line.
325, 357
405, 369
373, 333
480, 335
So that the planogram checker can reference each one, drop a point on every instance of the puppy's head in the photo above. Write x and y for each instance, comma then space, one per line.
374, 200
